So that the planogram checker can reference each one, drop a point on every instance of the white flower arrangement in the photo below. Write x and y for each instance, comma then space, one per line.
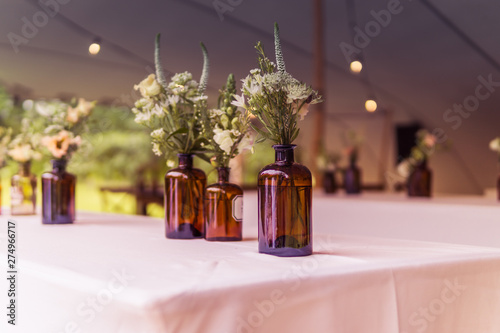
173, 111
228, 127
63, 126
425, 146
25, 146
275, 97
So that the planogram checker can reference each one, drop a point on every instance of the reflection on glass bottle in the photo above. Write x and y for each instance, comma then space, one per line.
58, 194
184, 191
223, 209
23, 191
284, 190
419, 182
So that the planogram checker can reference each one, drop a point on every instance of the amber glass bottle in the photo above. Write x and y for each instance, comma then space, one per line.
184, 191
352, 179
329, 182
284, 190
23, 191
58, 194
498, 188
223, 209
420, 180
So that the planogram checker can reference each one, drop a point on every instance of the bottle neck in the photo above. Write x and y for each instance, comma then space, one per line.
422, 164
223, 175
283, 154
185, 161
59, 166
24, 168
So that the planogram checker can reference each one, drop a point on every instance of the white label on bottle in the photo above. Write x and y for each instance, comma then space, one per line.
238, 208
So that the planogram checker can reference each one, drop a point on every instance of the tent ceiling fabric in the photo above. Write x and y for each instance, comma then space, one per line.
419, 67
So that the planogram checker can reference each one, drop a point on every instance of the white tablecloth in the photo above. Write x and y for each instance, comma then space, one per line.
113, 273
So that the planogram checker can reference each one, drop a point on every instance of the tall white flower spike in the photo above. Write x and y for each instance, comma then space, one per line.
160, 76
206, 68
277, 49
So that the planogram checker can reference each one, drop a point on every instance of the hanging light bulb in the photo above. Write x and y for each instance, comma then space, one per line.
356, 66
95, 47
370, 105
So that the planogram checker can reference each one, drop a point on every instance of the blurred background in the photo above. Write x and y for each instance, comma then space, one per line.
426, 64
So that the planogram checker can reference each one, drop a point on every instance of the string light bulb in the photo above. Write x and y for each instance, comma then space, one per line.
370, 105
95, 47
356, 66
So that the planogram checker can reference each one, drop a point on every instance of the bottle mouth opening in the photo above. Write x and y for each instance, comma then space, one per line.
283, 147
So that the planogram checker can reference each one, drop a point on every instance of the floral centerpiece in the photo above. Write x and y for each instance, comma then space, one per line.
227, 130
278, 101
327, 162
495, 146
228, 127
352, 173
64, 124
23, 149
414, 168
175, 112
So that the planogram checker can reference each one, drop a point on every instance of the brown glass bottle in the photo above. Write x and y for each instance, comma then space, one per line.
184, 191
58, 194
352, 179
498, 188
284, 190
419, 182
223, 209
23, 191
329, 182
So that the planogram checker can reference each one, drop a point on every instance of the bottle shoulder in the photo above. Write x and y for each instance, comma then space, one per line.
58, 176
224, 187
294, 174
184, 173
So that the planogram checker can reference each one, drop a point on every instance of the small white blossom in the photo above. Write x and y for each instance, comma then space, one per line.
143, 118
404, 168
158, 134
216, 113
156, 149
495, 145
239, 101
148, 87
223, 139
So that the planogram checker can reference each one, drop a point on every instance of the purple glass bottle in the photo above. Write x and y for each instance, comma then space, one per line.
58, 194
285, 198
